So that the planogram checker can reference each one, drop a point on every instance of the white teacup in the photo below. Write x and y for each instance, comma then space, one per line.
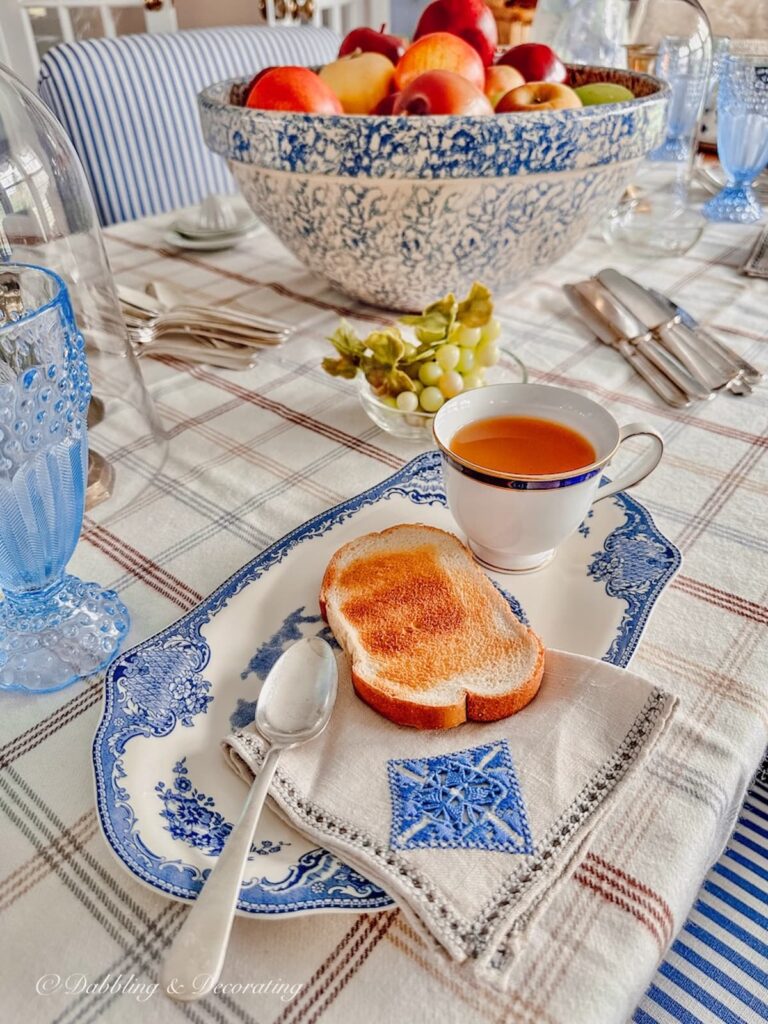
513, 522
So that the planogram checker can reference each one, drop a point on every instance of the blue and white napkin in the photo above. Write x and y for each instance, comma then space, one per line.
471, 829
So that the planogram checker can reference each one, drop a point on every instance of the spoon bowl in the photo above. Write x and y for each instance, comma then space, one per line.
298, 695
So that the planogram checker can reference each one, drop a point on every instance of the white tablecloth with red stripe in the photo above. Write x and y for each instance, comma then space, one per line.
254, 454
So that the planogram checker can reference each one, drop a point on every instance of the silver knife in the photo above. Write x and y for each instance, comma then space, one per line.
629, 327
678, 340
606, 333
709, 341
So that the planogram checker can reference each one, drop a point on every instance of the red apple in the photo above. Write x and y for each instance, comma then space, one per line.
535, 62
499, 79
440, 51
370, 41
294, 88
441, 92
472, 20
538, 96
387, 105
240, 91
361, 80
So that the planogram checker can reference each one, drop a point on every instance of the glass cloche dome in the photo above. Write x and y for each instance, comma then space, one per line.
672, 40
47, 219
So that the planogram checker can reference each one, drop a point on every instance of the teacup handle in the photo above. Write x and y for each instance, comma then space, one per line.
647, 464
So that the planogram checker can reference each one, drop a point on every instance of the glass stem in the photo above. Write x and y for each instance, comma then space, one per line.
28, 602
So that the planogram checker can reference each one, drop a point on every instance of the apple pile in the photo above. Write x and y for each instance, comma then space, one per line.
448, 68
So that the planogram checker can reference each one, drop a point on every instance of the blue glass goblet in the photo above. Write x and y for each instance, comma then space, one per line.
742, 137
686, 70
54, 629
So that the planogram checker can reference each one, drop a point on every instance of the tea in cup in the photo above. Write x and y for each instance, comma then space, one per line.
522, 465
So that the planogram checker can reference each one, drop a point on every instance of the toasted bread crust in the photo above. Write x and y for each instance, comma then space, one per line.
407, 591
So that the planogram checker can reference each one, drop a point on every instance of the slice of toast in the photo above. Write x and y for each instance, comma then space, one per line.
432, 642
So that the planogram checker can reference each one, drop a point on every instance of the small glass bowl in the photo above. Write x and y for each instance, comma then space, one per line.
417, 426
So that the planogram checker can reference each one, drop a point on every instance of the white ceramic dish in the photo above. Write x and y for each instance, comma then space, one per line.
166, 798
211, 244
217, 215
187, 227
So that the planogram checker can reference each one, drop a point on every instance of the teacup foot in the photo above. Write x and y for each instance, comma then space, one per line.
498, 561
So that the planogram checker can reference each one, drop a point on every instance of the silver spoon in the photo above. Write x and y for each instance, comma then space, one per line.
294, 706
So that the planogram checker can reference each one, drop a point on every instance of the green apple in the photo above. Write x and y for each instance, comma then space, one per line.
603, 92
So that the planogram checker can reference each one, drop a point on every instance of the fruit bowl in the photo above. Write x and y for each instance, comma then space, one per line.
395, 210
417, 426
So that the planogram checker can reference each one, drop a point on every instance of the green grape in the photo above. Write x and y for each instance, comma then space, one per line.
430, 373
466, 360
407, 401
492, 330
417, 386
431, 399
451, 383
467, 337
488, 354
475, 379
388, 400
448, 356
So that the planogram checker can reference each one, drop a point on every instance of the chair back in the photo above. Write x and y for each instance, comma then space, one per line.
30, 27
129, 104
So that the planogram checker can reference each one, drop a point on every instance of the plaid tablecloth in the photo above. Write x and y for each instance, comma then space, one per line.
254, 454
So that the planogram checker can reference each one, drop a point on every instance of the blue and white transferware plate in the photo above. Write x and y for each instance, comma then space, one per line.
165, 796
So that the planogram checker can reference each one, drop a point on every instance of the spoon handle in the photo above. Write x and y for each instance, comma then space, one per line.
194, 961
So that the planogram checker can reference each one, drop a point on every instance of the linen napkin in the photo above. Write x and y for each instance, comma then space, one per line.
471, 829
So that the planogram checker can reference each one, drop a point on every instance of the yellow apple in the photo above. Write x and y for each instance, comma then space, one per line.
361, 80
538, 96
499, 80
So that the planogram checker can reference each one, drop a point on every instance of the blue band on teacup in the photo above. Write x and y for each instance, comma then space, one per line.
519, 485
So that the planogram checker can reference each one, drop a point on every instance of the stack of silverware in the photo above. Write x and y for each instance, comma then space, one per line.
678, 358
165, 321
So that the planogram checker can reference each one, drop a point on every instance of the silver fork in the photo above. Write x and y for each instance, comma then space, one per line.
142, 306
187, 322
149, 340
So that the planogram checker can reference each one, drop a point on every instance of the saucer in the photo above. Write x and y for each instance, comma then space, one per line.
216, 217
166, 799
210, 243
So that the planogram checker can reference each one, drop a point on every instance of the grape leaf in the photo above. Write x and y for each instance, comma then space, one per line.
435, 322
342, 367
387, 346
346, 342
377, 378
477, 309
398, 380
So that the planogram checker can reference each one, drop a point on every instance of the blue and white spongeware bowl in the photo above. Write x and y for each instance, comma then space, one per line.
417, 426
396, 211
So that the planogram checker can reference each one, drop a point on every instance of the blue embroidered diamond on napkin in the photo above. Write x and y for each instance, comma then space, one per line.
469, 798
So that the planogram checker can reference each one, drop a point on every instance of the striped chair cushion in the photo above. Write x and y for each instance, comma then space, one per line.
129, 106
717, 968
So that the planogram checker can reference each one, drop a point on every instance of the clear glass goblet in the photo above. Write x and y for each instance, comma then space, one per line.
54, 628
742, 137
671, 39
